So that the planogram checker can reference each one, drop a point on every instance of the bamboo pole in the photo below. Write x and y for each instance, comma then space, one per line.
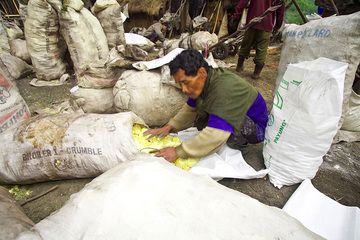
2, 5
217, 16
16, 7
334, 7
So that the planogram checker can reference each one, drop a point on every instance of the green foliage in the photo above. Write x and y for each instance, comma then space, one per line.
307, 7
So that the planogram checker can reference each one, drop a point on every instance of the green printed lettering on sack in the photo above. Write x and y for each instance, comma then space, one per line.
284, 84
296, 83
266, 141
280, 132
278, 101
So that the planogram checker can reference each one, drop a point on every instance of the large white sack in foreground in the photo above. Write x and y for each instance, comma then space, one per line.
64, 146
153, 200
143, 93
12, 220
303, 121
335, 37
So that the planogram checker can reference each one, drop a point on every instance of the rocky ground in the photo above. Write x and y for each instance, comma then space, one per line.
338, 176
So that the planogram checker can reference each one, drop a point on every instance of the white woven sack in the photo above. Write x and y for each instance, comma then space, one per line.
151, 199
335, 37
109, 15
18, 48
12, 220
143, 93
352, 118
15, 67
64, 146
93, 100
303, 120
4, 41
88, 47
45, 46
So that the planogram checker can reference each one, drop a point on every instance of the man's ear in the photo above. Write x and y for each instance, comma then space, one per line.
202, 73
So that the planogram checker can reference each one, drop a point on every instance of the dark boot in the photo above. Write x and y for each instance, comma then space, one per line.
257, 71
240, 64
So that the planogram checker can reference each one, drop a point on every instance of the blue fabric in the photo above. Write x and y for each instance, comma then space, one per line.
258, 112
219, 123
191, 102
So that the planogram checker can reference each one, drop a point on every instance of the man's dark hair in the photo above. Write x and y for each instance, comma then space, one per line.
190, 61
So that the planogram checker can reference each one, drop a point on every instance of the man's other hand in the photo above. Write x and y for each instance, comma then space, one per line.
168, 153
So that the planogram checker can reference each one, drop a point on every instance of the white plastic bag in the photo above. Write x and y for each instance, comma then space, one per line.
151, 199
303, 120
64, 146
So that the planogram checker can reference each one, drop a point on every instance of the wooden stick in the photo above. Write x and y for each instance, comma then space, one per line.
17, 9
211, 16
305, 20
11, 15
2, 5
334, 7
217, 17
202, 10
40, 195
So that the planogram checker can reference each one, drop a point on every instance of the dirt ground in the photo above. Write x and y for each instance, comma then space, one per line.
338, 176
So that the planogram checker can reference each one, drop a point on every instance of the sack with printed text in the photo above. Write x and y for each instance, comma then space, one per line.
304, 119
13, 108
66, 146
335, 37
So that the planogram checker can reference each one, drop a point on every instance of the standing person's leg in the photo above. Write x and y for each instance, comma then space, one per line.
245, 48
262, 40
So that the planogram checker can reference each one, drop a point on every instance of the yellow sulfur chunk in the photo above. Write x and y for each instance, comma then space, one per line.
156, 143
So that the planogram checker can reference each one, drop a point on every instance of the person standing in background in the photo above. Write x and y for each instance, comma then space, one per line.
258, 36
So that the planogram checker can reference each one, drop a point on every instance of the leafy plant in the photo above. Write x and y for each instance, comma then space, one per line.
307, 7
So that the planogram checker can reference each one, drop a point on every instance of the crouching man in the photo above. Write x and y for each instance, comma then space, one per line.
226, 109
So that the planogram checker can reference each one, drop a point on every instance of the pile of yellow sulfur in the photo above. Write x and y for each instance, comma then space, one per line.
148, 145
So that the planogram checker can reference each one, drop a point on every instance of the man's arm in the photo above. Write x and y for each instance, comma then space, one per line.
208, 141
184, 118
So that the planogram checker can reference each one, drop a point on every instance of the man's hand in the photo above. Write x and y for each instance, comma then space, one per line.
168, 153
159, 132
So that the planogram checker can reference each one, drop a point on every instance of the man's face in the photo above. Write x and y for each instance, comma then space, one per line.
192, 86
